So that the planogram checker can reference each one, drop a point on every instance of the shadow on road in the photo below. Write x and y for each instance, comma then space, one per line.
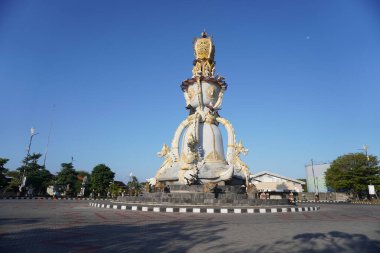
8, 221
331, 242
175, 236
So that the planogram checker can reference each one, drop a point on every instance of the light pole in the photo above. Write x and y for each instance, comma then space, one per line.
32, 134
130, 176
315, 185
365, 148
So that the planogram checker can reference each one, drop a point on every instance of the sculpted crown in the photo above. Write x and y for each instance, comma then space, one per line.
204, 50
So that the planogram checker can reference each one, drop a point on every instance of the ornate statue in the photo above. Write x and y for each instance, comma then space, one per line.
197, 153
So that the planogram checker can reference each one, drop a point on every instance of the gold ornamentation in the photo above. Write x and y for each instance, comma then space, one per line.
190, 93
211, 92
214, 157
204, 68
191, 156
209, 118
204, 50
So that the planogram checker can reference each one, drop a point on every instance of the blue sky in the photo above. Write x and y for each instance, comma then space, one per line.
304, 79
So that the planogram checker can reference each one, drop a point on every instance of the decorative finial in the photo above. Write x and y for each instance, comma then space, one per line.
204, 64
204, 34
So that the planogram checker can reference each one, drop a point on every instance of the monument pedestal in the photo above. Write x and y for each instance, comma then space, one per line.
229, 195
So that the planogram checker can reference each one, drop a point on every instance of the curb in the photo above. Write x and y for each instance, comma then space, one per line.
339, 202
176, 209
364, 203
51, 198
322, 201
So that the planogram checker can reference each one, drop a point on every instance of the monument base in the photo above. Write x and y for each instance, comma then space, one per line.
203, 195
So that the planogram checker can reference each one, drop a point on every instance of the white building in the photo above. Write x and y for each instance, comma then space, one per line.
316, 173
270, 182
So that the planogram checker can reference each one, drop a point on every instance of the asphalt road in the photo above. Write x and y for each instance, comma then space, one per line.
72, 226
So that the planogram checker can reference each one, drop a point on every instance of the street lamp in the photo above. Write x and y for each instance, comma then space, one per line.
365, 149
315, 185
32, 134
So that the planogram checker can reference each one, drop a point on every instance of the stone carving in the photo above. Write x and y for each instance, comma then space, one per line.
190, 176
239, 164
168, 162
152, 181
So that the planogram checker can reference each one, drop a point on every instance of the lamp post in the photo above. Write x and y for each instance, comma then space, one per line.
32, 134
315, 185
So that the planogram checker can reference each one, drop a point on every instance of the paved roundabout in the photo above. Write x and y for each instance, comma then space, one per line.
47, 225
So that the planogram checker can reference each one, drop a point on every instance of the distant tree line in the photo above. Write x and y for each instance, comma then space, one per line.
31, 178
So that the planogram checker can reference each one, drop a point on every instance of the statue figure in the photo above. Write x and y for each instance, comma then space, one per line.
240, 165
165, 152
151, 181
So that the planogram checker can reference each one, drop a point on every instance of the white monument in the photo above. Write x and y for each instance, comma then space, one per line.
196, 155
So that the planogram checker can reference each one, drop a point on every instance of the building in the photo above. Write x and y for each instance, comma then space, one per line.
276, 184
315, 177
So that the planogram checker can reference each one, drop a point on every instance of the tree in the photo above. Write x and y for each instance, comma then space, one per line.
304, 187
352, 173
15, 182
81, 182
134, 187
67, 177
37, 177
115, 190
3, 171
101, 177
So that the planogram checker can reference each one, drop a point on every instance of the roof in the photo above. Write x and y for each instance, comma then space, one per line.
119, 183
277, 175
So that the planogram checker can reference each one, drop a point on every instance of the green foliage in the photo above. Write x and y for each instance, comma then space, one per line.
304, 187
79, 183
134, 187
101, 177
67, 178
13, 186
37, 177
353, 173
3, 171
115, 190
3, 161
